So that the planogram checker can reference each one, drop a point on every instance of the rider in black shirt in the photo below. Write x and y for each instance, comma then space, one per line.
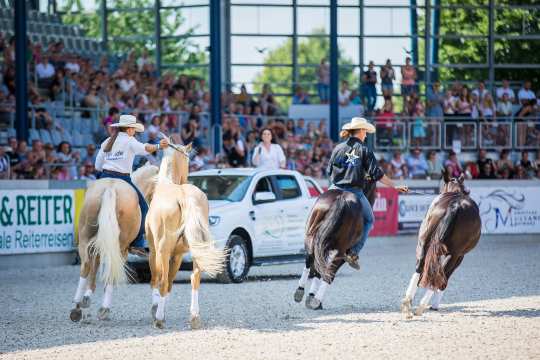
351, 164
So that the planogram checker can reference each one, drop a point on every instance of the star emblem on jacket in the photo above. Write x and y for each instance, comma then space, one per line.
351, 157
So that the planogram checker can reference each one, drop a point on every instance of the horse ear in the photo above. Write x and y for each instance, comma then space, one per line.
189, 147
445, 175
461, 178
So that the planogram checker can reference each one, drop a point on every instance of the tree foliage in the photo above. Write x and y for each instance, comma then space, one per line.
137, 28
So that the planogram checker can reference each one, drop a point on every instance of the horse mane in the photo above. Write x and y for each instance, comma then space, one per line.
170, 171
146, 178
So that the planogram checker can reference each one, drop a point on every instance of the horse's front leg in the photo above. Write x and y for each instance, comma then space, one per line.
406, 303
195, 318
76, 314
299, 293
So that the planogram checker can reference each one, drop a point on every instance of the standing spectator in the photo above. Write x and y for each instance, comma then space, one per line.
417, 165
464, 103
487, 107
300, 128
234, 150
398, 166
526, 164
65, 156
435, 102
434, 166
4, 162
452, 165
504, 165
527, 99
344, 94
388, 75
480, 91
243, 98
323, 81
369, 92
505, 89
300, 97
268, 155
450, 103
408, 80
504, 107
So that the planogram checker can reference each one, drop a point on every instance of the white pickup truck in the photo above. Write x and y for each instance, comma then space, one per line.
260, 215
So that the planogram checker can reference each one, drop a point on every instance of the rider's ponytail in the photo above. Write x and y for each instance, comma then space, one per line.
345, 133
112, 139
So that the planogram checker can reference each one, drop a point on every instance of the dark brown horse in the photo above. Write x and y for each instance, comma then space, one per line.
450, 230
334, 224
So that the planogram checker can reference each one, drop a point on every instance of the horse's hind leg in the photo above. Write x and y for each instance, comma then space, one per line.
195, 319
299, 293
162, 264
406, 303
424, 303
316, 301
91, 287
451, 266
436, 301
76, 313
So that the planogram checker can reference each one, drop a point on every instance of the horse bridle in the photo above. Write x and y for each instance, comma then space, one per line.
174, 146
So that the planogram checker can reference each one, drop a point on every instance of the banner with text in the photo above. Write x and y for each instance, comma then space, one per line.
385, 210
413, 207
34, 221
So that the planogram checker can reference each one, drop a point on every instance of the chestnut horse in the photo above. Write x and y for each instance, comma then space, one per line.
177, 223
110, 219
450, 230
334, 224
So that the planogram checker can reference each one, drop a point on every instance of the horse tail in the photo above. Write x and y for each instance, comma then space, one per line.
433, 275
106, 243
325, 234
195, 230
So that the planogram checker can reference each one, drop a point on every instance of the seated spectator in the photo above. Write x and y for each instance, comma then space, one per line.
45, 72
190, 131
417, 165
244, 97
487, 107
4, 162
398, 165
487, 171
527, 99
480, 91
471, 170
202, 160
300, 97
66, 156
434, 167
50, 155
84, 175
90, 154
505, 89
520, 173
504, 107
482, 161
234, 150
356, 100
504, 165
527, 165
435, 102
453, 165
300, 128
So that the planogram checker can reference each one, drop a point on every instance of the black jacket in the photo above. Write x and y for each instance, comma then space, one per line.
352, 163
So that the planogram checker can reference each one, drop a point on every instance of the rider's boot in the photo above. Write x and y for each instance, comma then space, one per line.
352, 259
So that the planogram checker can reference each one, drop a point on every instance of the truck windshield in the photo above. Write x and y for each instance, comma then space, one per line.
222, 187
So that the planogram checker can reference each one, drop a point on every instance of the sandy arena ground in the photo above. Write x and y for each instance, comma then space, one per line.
491, 311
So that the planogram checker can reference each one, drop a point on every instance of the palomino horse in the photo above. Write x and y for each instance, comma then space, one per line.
334, 223
450, 230
109, 221
177, 222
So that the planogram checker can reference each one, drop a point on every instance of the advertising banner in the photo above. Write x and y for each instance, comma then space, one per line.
34, 221
413, 207
385, 209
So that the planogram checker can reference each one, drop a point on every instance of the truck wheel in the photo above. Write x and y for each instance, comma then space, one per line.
237, 262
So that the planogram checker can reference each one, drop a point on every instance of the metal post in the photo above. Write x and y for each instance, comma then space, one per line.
334, 73
361, 47
21, 94
491, 45
226, 26
104, 29
427, 45
295, 46
414, 33
435, 41
157, 34
215, 74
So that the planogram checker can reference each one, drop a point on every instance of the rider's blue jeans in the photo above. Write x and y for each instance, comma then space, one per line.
367, 213
139, 240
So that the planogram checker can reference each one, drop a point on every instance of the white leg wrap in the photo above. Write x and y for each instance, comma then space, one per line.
160, 313
80, 290
88, 292
155, 296
314, 285
437, 299
303, 278
413, 285
427, 297
194, 302
322, 290
107, 297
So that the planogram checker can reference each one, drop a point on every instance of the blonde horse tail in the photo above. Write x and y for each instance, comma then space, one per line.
106, 243
197, 233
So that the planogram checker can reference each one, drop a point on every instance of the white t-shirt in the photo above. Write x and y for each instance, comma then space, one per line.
504, 108
73, 67
480, 93
344, 96
120, 158
45, 71
126, 84
526, 95
265, 159
501, 91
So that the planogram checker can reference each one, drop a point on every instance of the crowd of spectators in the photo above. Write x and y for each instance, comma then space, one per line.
178, 105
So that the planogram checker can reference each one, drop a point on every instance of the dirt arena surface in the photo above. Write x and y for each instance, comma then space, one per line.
491, 310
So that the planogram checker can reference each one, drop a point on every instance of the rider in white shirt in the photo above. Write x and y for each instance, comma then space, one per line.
115, 159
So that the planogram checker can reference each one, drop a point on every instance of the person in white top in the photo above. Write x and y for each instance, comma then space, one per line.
525, 95
45, 70
505, 89
267, 155
480, 91
115, 159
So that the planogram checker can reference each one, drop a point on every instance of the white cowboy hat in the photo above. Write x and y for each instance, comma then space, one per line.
129, 121
359, 123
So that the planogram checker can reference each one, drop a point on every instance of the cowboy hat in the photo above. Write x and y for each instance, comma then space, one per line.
129, 121
359, 123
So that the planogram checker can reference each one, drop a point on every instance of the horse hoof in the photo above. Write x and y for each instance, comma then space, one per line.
406, 308
85, 303
195, 322
315, 304
103, 313
308, 300
153, 311
299, 294
76, 314
158, 324
420, 310
434, 308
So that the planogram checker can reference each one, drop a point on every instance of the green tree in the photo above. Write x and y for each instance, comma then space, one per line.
137, 28
310, 53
